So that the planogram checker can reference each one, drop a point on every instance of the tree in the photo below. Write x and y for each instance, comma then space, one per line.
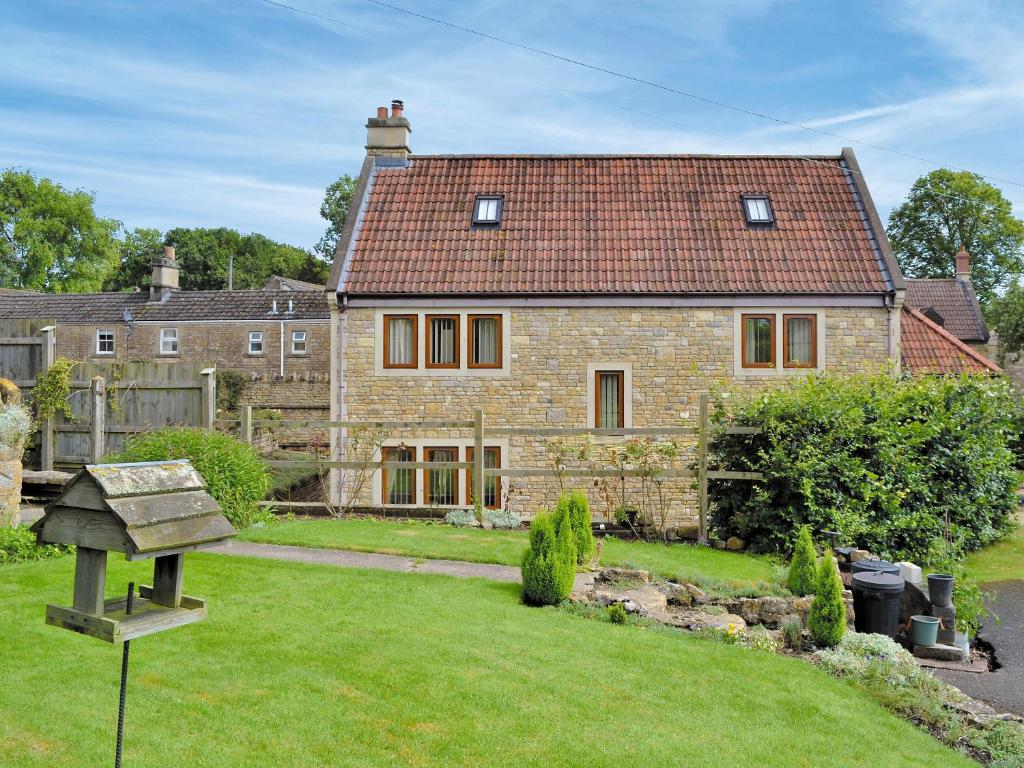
135, 254
826, 620
1006, 315
803, 569
949, 209
337, 199
51, 238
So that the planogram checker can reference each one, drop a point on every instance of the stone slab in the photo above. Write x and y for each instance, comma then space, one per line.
940, 652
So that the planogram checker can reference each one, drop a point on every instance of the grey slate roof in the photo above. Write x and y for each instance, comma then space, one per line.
178, 306
276, 282
955, 301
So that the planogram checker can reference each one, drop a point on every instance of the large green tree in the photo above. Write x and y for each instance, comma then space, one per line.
335, 207
949, 209
135, 254
51, 238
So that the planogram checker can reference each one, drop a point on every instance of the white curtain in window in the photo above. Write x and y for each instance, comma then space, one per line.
609, 417
485, 341
759, 340
441, 483
800, 342
400, 482
442, 341
400, 341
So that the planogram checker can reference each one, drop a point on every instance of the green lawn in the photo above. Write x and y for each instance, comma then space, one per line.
431, 540
304, 665
1002, 561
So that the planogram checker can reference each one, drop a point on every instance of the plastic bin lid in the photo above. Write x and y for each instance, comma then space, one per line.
887, 583
878, 566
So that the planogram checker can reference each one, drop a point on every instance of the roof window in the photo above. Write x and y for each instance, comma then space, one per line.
757, 209
487, 211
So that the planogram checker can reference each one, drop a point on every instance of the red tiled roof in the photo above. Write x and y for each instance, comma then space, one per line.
955, 301
614, 225
926, 347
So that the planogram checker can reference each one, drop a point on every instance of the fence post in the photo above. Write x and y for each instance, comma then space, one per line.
245, 424
702, 468
98, 427
209, 396
46, 429
478, 456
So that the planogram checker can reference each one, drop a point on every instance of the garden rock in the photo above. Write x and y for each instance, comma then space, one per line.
735, 543
613, 575
913, 602
859, 554
689, 531
645, 601
10, 484
940, 652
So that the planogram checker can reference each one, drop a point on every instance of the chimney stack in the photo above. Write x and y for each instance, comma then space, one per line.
387, 136
963, 264
165, 274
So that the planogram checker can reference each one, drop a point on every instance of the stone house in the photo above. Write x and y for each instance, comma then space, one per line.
278, 339
591, 291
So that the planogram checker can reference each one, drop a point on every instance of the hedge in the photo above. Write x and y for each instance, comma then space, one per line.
894, 465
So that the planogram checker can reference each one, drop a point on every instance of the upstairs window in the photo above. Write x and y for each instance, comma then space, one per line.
757, 209
298, 342
758, 341
256, 342
400, 348
484, 341
442, 341
169, 341
104, 342
609, 391
487, 210
800, 341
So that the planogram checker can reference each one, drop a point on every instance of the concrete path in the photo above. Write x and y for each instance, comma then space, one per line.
1004, 688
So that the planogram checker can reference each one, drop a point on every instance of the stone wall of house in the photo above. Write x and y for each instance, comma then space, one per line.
675, 354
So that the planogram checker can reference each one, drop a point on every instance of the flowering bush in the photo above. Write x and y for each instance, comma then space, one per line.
870, 658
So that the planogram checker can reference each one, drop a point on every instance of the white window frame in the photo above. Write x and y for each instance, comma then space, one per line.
778, 369
168, 338
113, 341
256, 337
304, 340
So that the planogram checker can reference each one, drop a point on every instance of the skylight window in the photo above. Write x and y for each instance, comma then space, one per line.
757, 209
487, 210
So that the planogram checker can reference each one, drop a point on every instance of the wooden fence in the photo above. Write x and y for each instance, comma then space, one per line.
481, 432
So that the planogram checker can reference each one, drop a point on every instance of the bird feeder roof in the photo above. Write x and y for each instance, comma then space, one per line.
142, 509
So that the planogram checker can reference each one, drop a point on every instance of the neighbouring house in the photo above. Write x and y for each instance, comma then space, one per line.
279, 339
928, 348
590, 291
278, 283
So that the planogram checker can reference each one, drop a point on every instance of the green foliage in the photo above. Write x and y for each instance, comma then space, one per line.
868, 658
891, 464
968, 596
793, 635
18, 545
231, 388
51, 238
578, 509
826, 620
15, 426
1003, 742
549, 564
948, 209
502, 519
235, 475
461, 518
135, 253
1005, 315
52, 390
803, 570
617, 613
335, 208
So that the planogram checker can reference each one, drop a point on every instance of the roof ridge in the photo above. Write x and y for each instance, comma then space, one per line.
624, 155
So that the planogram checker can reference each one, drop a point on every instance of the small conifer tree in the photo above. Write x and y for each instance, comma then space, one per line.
549, 564
827, 618
803, 568
582, 533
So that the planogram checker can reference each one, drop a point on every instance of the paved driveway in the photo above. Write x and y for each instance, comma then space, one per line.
1004, 688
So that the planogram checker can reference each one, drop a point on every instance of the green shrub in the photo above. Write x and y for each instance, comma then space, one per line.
803, 569
235, 475
793, 635
502, 519
892, 464
461, 518
1003, 742
231, 387
826, 620
549, 563
617, 613
870, 659
582, 532
18, 545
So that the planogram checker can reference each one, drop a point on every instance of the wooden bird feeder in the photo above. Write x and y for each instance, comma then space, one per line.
158, 510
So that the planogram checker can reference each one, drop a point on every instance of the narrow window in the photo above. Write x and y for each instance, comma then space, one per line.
485, 341
757, 209
442, 484
398, 486
298, 342
800, 341
442, 341
492, 460
609, 392
104, 342
758, 341
255, 342
400, 350
169, 341
487, 210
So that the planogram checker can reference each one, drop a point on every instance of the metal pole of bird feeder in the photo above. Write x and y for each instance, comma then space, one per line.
124, 680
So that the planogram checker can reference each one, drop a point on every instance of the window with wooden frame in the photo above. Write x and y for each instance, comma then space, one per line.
609, 399
485, 341
758, 341
492, 487
800, 341
400, 341
442, 341
398, 486
442, 485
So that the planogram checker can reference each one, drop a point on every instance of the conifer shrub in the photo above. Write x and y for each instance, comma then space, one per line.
803, 569
549, 563
827, 618
579, 517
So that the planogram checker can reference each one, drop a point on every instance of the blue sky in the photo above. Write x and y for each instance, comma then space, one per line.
237, 113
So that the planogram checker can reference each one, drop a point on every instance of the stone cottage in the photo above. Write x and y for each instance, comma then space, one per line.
591, 291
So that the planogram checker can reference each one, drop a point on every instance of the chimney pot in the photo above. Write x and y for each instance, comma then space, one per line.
963, 264
387, 137
382, 113
396, 108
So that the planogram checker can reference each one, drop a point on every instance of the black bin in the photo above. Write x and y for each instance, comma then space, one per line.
876, 603
875, 566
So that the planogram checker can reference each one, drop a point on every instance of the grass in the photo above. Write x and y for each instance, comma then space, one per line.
1002, 561
724, 570
305, 665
